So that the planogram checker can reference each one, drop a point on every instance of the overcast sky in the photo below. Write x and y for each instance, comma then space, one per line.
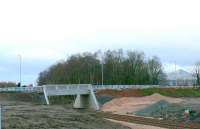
46, 31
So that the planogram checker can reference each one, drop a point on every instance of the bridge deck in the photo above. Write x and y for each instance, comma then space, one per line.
56, 90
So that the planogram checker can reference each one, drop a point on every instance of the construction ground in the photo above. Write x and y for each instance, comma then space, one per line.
126, 109
181, 111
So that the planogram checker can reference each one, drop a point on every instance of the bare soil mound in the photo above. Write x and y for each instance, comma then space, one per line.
128, 105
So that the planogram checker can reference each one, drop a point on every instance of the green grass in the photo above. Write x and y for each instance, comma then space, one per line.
187, 92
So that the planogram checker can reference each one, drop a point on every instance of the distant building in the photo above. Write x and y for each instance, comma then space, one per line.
181, 82
180, 78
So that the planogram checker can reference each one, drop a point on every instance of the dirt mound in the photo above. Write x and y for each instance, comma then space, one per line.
126, 105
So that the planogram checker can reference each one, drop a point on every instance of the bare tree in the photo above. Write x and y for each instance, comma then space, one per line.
154, 70
130, 67
197, 72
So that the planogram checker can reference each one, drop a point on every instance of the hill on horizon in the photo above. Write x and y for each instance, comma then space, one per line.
180, 74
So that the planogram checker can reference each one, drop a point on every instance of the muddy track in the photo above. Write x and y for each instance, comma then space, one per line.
152, 122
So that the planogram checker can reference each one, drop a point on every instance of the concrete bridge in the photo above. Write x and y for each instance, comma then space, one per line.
85, 96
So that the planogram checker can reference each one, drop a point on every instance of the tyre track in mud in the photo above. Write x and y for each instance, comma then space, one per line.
151, 121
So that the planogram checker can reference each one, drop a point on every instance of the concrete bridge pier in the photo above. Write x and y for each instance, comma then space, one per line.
86, 101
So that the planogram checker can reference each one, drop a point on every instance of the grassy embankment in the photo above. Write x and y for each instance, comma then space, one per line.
187, 92
180, 92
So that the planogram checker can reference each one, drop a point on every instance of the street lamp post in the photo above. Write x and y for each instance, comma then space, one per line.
102, 73
176, 74
20, 69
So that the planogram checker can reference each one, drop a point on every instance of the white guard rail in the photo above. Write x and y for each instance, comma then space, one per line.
119, 87
79, 87
22, 89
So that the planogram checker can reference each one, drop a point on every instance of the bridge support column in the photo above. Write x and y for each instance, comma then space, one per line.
45, 95
87, 101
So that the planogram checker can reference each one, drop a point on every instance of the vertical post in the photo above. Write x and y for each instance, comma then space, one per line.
20, 69
0, 117
176, 73
102, 71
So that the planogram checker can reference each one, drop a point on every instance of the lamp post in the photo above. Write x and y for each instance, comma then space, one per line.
20, 69
102, 74
176, 74
102, 71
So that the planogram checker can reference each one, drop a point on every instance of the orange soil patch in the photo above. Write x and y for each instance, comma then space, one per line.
128, 105
120, 93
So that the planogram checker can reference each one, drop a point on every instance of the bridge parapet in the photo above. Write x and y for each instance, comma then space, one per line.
72, 89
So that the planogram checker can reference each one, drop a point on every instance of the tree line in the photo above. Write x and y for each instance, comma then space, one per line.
117, 67
7, 84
